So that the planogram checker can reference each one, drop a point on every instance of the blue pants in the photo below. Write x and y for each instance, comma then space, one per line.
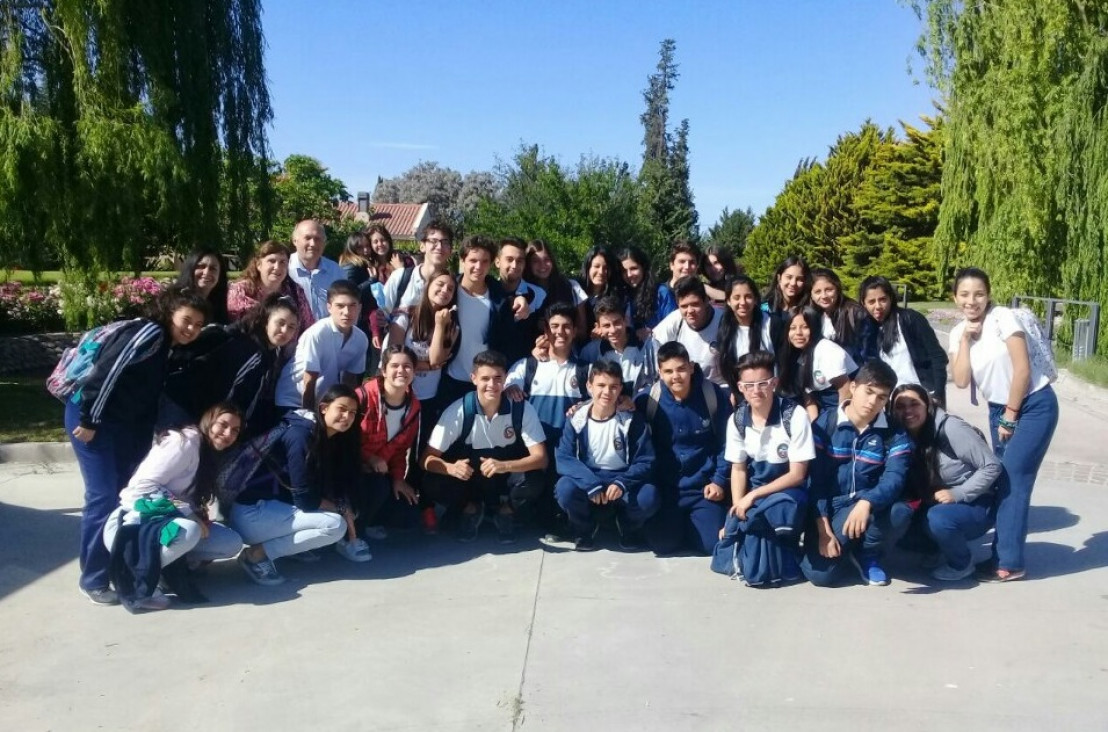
106, 463
823, 571
634, 507
685, 522
1021, 456
953, 525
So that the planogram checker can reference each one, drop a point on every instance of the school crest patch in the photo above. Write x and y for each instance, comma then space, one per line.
817, 377
509, 434
573, 382
713, 347
783, 450
618, 443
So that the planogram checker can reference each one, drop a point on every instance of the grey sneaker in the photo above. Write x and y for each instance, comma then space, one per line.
356, 550
505, 528
263, 572
102, 596
157, 601
468, 526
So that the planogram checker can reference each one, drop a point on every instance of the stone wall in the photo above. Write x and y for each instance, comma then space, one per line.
38, 352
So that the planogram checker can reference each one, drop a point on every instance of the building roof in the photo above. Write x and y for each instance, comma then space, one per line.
404, 221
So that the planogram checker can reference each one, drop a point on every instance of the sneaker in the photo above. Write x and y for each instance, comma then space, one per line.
429, 521
311, 556
356, 550
468, 526
505, 528
157, 601
870, 570
263, 572
946, 573
630, 539
375, 533
585, 543
102, 596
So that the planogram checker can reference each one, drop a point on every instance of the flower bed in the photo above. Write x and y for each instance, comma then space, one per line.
73, 304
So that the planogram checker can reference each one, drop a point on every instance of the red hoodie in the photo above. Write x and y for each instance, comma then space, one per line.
375, 432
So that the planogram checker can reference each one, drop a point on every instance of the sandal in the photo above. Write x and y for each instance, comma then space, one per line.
1005, 575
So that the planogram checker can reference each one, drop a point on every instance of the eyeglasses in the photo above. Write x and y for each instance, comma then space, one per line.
756, 385
438, 243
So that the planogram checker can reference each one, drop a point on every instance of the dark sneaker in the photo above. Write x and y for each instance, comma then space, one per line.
869, 570
177, 580
157, 601
505, 528
468, 526
102, 596
586, 542
263, 572
630, 539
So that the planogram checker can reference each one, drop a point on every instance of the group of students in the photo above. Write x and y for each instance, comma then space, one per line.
801, 436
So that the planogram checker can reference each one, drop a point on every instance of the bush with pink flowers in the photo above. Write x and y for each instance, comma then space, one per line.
30, 309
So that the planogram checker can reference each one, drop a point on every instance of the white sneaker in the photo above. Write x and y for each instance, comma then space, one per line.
946, 573
355, 550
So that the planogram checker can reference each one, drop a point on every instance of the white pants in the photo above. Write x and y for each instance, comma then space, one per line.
221, 542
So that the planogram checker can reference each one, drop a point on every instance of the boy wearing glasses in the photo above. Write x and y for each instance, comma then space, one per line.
769, 446
405, 286
861, 464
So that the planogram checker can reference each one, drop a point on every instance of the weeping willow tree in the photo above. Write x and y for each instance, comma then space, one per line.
1025, 175
127, 125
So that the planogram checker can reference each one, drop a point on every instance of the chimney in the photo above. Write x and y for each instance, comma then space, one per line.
363, 202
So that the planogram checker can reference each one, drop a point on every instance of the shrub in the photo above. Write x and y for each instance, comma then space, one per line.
25, 309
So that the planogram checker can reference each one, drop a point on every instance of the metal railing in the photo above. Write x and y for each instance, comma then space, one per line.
1085, 330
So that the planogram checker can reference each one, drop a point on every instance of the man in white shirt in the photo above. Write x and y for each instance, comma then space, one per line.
486, 449
405, 286
332, 350
309, 269
695, 325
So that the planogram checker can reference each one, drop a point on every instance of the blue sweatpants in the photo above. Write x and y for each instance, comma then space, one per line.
823, 571
107, 463
634, 507
687, 521
1021, 456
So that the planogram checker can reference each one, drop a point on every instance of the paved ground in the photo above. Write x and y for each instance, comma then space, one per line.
431, 634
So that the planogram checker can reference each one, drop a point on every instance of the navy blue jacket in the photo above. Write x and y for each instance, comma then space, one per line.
688, 446
126, 379
850, 466
638, 452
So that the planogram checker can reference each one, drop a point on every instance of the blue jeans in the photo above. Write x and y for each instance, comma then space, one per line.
1021, 456
635, 507
283, 529
107, 463
953, 525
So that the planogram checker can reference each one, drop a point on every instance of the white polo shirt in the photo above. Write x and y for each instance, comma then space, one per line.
767, 451
829, 362
702, 345
314, 282
486, 433
322, 350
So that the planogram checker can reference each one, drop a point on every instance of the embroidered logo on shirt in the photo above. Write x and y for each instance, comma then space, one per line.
817, 377
713, 347
783, 450
573, 382
618, 443
509, 433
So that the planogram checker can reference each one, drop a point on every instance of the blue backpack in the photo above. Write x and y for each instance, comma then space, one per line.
76, 363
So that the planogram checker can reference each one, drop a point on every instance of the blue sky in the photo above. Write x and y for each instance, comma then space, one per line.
373, 88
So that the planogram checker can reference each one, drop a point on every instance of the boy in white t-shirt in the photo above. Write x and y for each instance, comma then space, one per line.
486, 449
605, 458
695, 325
769, 446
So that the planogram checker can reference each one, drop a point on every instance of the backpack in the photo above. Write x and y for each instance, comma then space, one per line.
532, 365
788, 406
470, 408
943, 442
75, 366
1039, 349
405, 280
655, 394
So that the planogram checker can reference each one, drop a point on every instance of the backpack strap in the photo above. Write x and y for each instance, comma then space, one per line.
517, 417
709, 400
787, 417
405, 280
739, 418
583, 378
469, 413
652, 399
530, 366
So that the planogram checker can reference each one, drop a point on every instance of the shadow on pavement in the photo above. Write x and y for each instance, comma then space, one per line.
35, 542
1050, 518
1047, 559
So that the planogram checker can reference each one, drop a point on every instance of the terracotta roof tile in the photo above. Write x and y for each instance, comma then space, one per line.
401, 219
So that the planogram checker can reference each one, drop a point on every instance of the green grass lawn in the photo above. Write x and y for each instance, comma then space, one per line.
29, 414
926, 307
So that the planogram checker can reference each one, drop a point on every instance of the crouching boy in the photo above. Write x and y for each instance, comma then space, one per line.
486, 451
769, 446
605, 458
860, 468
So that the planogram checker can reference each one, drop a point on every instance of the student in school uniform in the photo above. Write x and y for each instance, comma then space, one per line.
695, 325
1012, 370
769, 447
791, 288
684, 261
332, 351
486, 451
606, 459
687, 416
862, 462
813, 371
618, 344
743, 328
405, 285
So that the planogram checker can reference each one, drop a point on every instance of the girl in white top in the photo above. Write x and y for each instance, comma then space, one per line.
990, 349
743, 328
813, 370
431, 331
181, 468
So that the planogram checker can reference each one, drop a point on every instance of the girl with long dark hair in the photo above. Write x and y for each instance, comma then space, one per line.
718, 267
901, 338
181, 469
205, 271
813, 371
791, 288
842, 316
642, 291
600, 277
542, 271
743, 328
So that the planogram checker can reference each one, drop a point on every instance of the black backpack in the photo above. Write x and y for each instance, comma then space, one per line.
788, 406
532, 365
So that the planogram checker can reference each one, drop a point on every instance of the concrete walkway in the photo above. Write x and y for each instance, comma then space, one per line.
436, 635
